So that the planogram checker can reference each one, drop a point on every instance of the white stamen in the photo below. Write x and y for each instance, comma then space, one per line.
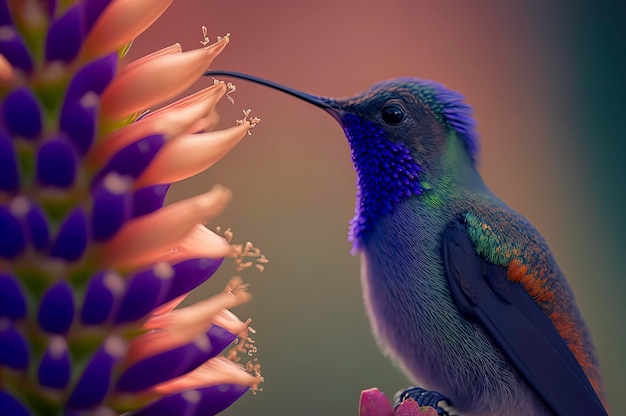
206, 40
228, 235
253, 121
57, 347
20, 206
102, 411
221, 38
89, 100
117, 184
231, 88
203, 343
7, 33
115, 346
144, 147
114, 283
192, 396
163, 271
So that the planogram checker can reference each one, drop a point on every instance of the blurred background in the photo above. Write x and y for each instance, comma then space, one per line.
546, 82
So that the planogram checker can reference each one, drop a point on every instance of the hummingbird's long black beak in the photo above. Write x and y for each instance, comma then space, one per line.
328, 104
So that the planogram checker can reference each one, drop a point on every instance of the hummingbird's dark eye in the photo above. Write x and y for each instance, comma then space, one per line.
393, 114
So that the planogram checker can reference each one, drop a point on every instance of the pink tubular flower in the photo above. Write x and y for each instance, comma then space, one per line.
92, 266
373, 402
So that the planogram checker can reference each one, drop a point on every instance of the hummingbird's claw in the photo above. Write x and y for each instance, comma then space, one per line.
423, 397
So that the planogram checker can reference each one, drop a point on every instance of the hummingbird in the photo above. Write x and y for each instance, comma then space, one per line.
461, 291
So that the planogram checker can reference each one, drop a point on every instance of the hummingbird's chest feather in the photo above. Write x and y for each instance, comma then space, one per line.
405, 290
416, 322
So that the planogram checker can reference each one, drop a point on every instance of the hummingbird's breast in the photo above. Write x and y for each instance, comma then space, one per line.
415, 320
405, 291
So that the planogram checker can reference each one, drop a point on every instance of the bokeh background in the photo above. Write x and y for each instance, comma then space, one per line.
546, 82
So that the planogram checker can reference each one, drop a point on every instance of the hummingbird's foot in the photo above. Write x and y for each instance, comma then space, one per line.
423, 397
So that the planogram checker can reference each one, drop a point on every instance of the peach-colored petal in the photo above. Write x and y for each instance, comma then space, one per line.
206, 123
6, 71
156, 80
189, 155
202, 242
229, 321
168, 50
195, 244
121, 22
156, 342
169, 306
177, 120
217, 370
216, 90
158, 232
190, 324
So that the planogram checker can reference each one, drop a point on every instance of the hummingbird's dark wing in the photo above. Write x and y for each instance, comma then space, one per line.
516, 325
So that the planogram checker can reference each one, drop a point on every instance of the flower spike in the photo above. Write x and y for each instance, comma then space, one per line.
94, 266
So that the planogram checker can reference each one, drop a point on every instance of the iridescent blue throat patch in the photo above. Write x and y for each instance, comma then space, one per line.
386, 174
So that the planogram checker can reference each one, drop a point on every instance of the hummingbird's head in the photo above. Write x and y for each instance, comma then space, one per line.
415, 113
400, 132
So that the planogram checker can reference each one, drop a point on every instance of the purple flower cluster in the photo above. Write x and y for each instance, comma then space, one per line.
91, 265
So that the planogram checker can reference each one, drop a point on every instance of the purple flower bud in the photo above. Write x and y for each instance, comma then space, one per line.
21, 112
5, 15
37, 227
79, 121
52, 6
176, 362
13, 48
190, 274
93, 77
146, 290
9, 404
56, 163
111, 207
55, 367
214, 399
13, 347
12, 302
103, 293
205, 401
93, 9
147, 200
93, 385
56, 311
12, 240
65, 35
9, 179
134, 158
72, 238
